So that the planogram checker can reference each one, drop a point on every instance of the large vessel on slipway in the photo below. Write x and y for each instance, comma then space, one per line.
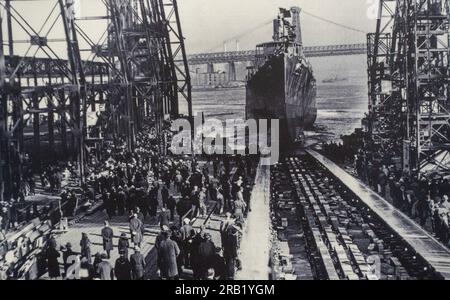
281, 84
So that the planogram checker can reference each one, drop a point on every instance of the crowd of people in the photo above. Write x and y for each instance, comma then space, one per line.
170, 191
424, 200
17, 211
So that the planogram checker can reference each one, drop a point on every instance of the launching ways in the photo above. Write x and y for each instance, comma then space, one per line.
256, 245
424, 244
256, 239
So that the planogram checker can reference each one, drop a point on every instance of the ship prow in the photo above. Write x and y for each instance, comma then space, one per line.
281, 85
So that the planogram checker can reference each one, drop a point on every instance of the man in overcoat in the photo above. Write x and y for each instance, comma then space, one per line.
137, 264
168, 252
107, 236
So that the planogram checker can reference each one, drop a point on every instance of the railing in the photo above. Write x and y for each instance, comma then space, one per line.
208, 217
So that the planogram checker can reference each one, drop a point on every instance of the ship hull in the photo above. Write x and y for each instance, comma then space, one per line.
283, 88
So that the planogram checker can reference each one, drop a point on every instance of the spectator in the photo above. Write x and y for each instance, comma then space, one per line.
85, 245
52, 256
206, 251
107, 236
218, 264
104, 269
136, 229
122, 268
137, 264
230, 251
168, 251
171, 205
164, 218
123, 245
68, 253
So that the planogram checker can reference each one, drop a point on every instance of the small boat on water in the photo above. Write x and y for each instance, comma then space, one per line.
333, 79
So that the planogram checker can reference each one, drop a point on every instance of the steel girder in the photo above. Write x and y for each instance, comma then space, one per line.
48, 97
418, 71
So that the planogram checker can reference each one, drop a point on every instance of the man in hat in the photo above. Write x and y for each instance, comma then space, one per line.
230, 250
67, 253
136, 229
160, 236
122, 268
153, 199
137, 264
165, 195
186, 229
206, 251
104, 268
123, 244
85, 245
186, 234
195, 259
239, 207
52, 261
224, 225
121, 201
168, 252
202, 201
218, 264
164, 218
139, 214
171, 204
107, 236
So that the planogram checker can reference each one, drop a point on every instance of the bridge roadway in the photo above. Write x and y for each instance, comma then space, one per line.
249, 55
43, 67
423, 243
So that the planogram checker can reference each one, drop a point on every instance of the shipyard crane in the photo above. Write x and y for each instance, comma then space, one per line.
135, 75
409, 92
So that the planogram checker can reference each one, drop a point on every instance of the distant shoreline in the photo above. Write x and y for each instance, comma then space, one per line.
217, 89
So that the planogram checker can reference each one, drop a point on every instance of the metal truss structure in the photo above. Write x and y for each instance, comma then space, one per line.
409, 92
64, 90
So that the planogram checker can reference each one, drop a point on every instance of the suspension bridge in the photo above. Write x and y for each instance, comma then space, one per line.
211, 57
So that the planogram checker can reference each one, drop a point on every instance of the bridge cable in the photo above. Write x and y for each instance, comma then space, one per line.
267, 22
244, 33
333, 22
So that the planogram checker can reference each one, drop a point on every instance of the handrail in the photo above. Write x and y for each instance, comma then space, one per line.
210, 213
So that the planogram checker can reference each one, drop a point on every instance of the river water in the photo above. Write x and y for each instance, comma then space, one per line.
341, 104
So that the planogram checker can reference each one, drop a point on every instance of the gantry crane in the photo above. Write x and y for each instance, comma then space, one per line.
135, 71
409, 92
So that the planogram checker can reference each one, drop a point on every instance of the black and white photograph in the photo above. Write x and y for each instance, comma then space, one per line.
206, 142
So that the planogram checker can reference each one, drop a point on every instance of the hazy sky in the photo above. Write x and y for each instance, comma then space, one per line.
207, 23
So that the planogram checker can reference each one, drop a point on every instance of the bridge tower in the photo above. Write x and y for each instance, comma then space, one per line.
231, 71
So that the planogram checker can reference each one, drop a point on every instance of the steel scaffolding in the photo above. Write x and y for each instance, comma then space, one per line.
409, 92
121, 79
